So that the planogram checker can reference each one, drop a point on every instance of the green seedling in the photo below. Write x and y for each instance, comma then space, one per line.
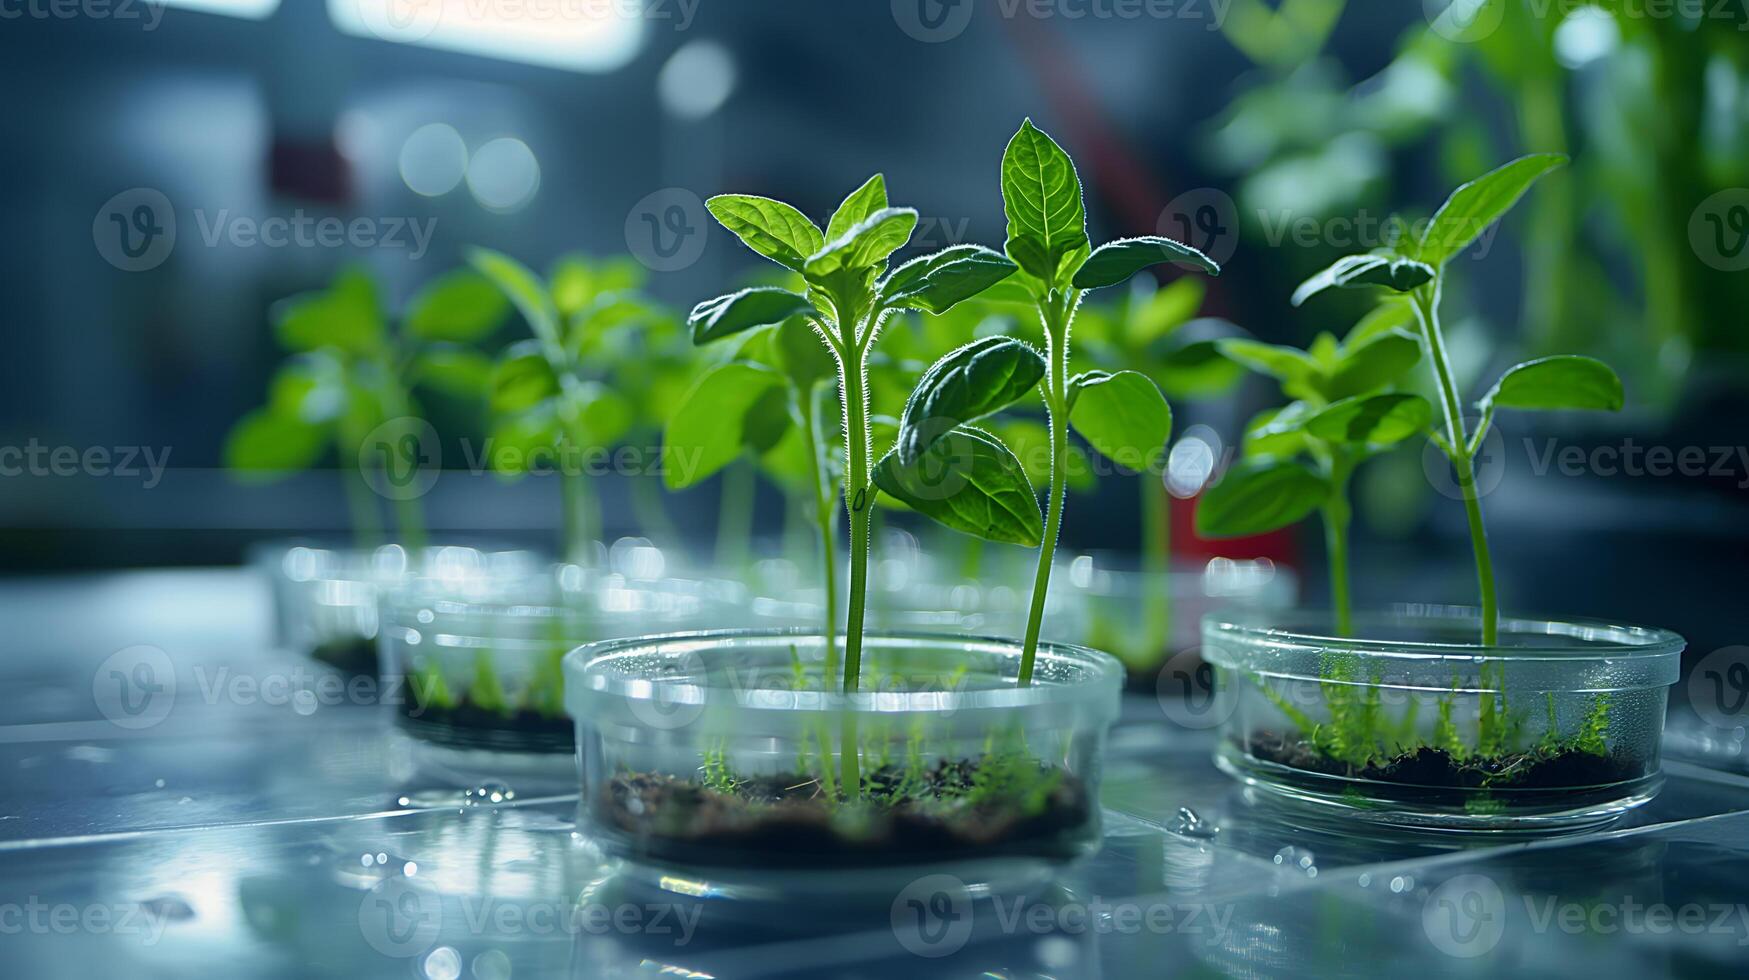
1271, 491
1298, 459
352, 373
847, 296
552, 396
1416, 266
1122, 415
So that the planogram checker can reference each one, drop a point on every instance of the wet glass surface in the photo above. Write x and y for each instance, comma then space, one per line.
223, 813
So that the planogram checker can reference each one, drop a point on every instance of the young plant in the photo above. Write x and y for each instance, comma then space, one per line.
1123, 415
548, 404
351, 372
1298, 459
1416, 265
847, 298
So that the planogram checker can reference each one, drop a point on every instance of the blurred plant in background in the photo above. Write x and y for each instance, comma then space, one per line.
1652, 105
351, 375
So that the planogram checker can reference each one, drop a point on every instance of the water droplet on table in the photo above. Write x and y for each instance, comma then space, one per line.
489, 793
1297, 858
1190, 824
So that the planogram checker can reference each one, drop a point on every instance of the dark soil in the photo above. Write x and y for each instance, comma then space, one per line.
787, 821
1433, 776
467, 725
353, 656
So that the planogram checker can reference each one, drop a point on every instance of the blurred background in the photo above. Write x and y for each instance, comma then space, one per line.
174, 169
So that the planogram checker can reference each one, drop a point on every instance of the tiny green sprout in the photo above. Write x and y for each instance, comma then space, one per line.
1299, 458
351, 373
1417, 266
551, 394
977, 484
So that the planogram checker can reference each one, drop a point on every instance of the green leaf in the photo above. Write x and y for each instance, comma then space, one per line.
1561, 381
936, 283
1114, 262
979, 379
1197, 370
1164, 311
309, 388
518, 440
1258, 496
1473, 207
454, 370
1285, 364
1122, 415
265, 446
1358, 271
1041, 196
865, 245
771, 228
525, 291
758, 306
346, 316
970, 482
462, 306
857, 208
1278, 431
1372, 365
1376, 420
708, 430
522, 378
1030, 440
1395, 313
798, 351
604, 415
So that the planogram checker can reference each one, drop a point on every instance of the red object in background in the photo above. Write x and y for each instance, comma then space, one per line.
1278, 546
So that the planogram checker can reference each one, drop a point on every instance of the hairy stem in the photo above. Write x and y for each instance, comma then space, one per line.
858, 498
1426, 301
1055, 312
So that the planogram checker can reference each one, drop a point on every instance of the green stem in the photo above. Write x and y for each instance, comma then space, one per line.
826, 517
579, 513
652, 517
1457, 444
853, 381
735, 516
1336, 521
1156, 563
367, 527
1055, 313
